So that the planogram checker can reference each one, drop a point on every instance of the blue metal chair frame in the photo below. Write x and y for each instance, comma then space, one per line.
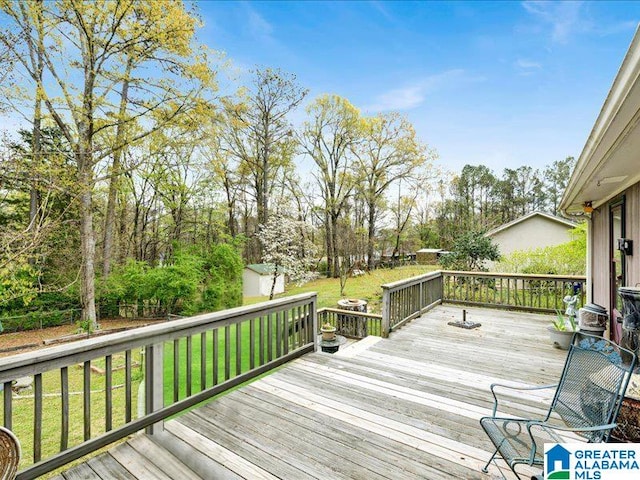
587, 400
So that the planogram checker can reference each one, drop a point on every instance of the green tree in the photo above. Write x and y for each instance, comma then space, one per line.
389, 152
329, 137
85, 54
469, 253
556, 177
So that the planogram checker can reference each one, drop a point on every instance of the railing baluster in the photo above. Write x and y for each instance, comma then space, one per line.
252, 343
108, 393
128, 390
189, 364
87, 400
176, 370
37, 417
8, 413
269, 337
278, 335
285, 331
227, 352
261, 344
214, 354
64, 408
238, 348
203, 361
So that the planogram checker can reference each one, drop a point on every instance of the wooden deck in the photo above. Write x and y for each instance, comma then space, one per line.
397, 408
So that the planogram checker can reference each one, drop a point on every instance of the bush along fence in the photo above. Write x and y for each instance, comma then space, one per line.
39, 320
351, 324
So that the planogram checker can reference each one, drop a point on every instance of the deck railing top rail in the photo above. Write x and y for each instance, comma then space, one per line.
27, 363
406, 282
532, 276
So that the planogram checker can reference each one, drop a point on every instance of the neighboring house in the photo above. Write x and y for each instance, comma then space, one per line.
429, 256
605, 188
257, 279
531, 231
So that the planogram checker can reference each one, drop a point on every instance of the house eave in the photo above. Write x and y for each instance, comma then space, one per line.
610, 160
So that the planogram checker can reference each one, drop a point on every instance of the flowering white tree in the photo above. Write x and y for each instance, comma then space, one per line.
287, 249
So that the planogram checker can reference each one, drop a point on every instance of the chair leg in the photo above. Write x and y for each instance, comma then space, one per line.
485, 469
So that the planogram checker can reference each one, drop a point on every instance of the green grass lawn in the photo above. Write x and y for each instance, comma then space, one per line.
366, 287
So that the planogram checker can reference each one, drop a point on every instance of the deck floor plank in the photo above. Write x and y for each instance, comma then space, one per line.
107, 467
403, 407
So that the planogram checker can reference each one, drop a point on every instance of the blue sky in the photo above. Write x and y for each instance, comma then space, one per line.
502, 84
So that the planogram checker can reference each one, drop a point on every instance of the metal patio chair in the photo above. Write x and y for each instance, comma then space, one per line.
9, 454
586, 402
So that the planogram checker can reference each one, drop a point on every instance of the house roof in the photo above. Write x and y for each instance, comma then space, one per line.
608, 164
429, 250
562, 221
261, 268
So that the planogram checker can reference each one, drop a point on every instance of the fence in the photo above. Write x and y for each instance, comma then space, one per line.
409, 298
532, 293
84, 394
351, 324
39, 320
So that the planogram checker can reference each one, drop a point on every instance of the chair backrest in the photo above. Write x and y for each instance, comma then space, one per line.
593, 382
9, 454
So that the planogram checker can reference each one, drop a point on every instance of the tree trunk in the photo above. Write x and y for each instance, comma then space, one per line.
36, 140
334, 243
88, 249
329, 245
114, 181
371, 235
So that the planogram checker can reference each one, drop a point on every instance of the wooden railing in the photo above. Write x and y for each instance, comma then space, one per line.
533, 293
407, 299
84, 395
351, 324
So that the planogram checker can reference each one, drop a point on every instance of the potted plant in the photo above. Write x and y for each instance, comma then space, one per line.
561, 330
328, 332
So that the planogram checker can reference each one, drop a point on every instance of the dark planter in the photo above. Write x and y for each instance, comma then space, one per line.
628, 429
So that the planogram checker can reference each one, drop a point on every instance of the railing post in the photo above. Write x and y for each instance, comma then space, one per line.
314, 321
154, 383
386, 312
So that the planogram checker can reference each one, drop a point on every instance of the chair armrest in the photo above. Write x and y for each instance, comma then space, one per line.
536, 423
595, 428
510, 387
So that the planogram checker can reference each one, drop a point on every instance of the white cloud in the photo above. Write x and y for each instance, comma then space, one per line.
564, 18
258, 26
527, 67
413, 95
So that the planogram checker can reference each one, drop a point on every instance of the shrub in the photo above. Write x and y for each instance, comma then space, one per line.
223, 280
469, 252
566, 259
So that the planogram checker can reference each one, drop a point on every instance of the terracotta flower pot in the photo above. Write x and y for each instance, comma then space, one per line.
328, 333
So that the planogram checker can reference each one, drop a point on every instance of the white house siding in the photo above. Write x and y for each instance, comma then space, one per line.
534, 232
